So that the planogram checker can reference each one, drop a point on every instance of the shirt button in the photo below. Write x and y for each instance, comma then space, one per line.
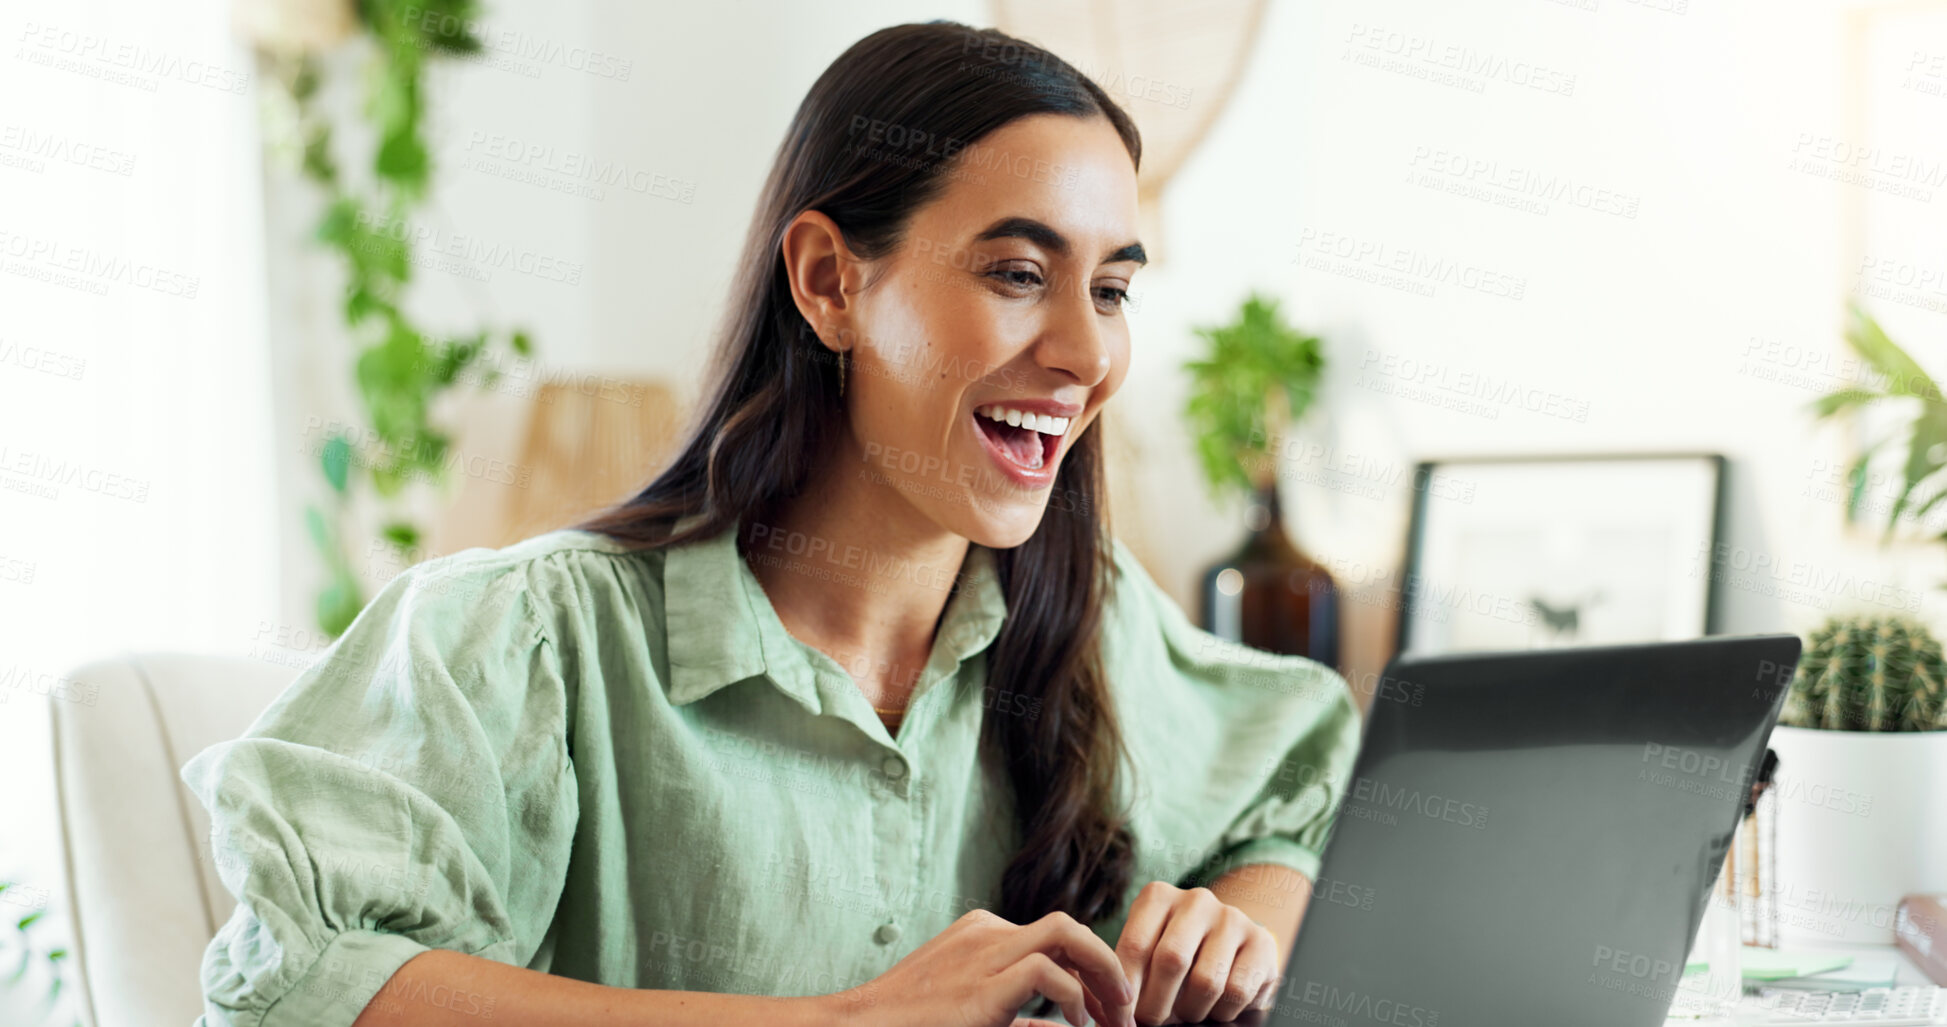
886, 934
894, 768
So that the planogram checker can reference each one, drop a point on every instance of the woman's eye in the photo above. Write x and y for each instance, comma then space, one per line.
1111, 295
1017, 276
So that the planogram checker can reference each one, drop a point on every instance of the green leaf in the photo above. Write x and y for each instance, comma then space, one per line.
304, 83
340, 223
1932, 501
1856, 477
455, 356
337, 461
428, 453
338, 603
361, 303
402, 535
1844, 399
314, 523
1907, 377
391, 377
317, 162
389, 479
1929, 440
402, 158
385, 256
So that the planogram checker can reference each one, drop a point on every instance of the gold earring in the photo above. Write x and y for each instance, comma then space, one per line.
841, 372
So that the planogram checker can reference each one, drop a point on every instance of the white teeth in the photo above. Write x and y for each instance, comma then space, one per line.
1046, 424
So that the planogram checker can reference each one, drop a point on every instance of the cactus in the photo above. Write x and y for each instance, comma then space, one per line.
1881, 673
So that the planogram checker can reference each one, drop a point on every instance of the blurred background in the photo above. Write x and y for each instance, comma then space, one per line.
297, 294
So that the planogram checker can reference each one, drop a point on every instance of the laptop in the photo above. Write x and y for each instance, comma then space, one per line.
1529, 838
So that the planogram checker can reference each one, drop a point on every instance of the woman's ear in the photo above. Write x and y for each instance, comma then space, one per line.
824, 274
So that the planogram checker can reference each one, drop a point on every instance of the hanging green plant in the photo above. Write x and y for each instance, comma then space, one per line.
400, 368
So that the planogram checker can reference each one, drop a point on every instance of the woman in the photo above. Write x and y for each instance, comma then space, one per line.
856, 713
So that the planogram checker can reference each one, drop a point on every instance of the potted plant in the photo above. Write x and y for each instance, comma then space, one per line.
1254, 380
1862, 743
1898, 384
1862, 776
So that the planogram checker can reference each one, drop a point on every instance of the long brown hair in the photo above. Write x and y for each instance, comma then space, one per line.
868, 146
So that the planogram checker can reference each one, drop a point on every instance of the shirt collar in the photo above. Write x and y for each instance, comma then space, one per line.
722, 628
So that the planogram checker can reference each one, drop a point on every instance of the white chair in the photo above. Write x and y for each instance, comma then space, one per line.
143, 893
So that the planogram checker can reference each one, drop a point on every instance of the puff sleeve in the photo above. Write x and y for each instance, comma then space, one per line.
1289, 818
1278, 735
410, 790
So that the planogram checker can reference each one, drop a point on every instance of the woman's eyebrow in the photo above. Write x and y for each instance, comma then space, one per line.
1044, 236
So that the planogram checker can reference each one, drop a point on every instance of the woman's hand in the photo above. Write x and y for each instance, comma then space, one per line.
982, 969
1192, 957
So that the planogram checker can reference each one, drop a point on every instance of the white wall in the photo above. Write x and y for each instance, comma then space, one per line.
1707, 265
1648, 321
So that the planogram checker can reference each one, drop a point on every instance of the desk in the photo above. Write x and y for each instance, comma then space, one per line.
1905, 974
1908, 974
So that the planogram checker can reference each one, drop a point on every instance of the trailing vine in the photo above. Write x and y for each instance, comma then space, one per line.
401, 367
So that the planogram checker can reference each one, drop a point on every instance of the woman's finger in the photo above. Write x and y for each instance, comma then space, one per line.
1267, 996
1253, 966
1175, 953
1140, 931
1208, 981
1038, 974
1063, 938
1094, 1004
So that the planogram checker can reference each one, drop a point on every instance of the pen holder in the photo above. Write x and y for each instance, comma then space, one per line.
1754, 860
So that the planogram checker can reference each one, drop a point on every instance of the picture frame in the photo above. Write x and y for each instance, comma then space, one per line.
1523, 552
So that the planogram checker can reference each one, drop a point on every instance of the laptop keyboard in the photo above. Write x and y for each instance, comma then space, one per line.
1888, 1007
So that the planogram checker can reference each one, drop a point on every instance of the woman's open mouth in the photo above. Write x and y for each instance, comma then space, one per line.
1022, 443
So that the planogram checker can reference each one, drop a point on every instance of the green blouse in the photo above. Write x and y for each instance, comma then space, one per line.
619, 767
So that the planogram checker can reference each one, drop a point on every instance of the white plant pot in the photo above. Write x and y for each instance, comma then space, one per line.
1862, 821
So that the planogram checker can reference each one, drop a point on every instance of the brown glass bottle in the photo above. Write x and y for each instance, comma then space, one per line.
1269, 595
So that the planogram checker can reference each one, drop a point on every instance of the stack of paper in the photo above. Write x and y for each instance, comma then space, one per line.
1822, 971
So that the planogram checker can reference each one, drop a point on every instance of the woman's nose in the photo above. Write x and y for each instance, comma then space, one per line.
1072, 341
